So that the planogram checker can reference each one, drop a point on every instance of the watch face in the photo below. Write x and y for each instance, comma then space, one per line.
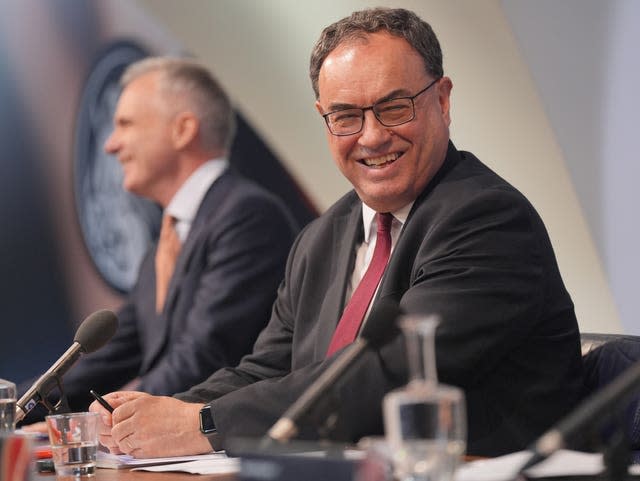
207, 425
117, 226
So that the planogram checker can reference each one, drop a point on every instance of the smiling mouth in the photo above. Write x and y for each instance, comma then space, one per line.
382, 161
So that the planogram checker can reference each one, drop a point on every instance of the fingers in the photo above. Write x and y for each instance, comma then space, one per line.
126, 445
115, 400
107, 421
108, 442
120, 397
40, 428
141, 426
126, 422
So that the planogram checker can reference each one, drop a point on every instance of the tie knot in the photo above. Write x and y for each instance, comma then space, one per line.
168, 220
384, 221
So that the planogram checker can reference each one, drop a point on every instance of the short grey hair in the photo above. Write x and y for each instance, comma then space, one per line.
205, 97
396, 21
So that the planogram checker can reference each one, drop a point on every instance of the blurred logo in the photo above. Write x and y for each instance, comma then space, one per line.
118, 227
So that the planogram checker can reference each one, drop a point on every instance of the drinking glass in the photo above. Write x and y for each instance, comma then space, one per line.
425, 422
74, 443
7, 406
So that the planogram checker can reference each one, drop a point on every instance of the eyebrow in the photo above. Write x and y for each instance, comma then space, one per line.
394, 94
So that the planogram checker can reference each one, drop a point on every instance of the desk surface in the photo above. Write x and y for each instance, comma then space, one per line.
128, 475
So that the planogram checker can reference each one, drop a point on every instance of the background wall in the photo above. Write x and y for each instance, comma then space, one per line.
585, 64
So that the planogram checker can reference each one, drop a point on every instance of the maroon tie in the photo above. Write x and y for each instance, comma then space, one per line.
353, 314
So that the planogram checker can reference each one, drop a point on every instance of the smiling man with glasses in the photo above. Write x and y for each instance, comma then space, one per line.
427, 227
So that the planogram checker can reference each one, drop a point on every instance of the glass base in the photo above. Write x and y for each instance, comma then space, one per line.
76, 471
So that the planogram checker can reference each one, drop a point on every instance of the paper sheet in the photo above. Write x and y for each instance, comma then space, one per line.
119, 461
505, 468
205, 466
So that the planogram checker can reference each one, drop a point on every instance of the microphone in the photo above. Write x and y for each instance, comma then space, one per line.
592, 409
93, 333
378, 330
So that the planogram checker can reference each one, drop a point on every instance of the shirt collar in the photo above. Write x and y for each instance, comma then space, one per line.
185, 203
368, 216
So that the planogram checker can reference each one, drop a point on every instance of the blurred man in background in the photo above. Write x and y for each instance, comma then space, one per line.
205, 291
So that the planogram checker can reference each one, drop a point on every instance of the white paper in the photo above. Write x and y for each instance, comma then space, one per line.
225, 465
117, 461
505, 468
204, 466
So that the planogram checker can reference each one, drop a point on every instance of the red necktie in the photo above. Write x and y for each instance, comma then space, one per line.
353, 314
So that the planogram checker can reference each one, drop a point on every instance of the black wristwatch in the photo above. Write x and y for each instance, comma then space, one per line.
207, 425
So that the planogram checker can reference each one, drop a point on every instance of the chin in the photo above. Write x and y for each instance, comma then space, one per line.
130, 187
383, 200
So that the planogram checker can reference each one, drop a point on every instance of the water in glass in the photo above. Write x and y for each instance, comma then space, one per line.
425, 422
7, 406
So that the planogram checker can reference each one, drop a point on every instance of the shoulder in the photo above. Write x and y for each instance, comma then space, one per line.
466, 184
233, 192
340, 211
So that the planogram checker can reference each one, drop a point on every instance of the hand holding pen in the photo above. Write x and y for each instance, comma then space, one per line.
101, 400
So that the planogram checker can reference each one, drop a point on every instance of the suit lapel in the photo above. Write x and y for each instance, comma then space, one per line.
347, 230
213, 198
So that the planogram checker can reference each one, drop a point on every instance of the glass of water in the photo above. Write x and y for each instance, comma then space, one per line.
425, 421
7, 406
74, 443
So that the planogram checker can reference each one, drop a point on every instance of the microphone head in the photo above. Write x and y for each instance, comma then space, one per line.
381, 326
96, 330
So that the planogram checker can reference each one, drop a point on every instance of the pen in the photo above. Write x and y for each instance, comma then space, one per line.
101, 400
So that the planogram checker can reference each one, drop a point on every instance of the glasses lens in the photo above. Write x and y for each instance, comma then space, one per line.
345, 122
394, 112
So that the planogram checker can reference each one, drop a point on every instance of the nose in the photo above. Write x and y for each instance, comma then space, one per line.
373, 133
111, 145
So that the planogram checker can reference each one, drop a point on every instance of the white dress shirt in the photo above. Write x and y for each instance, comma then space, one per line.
364, 251
185, 203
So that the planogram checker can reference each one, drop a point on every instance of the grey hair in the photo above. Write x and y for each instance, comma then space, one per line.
396, 21
204, 96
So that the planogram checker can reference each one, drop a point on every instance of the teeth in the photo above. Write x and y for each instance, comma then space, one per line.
377, 161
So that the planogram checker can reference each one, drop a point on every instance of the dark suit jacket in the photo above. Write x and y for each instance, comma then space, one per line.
219, 298
473, 251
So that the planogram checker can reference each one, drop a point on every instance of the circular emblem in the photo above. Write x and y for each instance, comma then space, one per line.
117, 226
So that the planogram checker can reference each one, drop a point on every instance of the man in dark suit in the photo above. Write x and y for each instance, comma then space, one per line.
205, 291
465, 245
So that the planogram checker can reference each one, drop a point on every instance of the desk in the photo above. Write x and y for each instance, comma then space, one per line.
128, 475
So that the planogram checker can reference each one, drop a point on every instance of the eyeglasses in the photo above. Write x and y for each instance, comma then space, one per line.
389, 113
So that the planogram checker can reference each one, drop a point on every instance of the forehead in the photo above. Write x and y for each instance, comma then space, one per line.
140, 95
368, 69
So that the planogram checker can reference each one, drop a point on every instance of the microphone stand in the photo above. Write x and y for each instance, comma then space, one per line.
43, 391
62, 406
617, 455
606, 434
591, 414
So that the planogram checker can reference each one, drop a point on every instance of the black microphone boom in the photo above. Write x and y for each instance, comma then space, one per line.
377, 331
93, 333
588, 412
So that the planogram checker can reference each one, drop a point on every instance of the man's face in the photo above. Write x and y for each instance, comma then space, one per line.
142, 138
388, 166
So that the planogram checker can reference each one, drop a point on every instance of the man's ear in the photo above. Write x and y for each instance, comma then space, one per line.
185, 129
444, 98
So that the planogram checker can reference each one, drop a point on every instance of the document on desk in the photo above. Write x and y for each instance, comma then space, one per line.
561, 463
124, 461
202, 466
